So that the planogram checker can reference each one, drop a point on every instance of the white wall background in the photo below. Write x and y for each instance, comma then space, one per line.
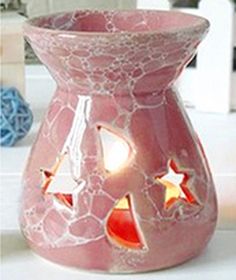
36, 7
211, 86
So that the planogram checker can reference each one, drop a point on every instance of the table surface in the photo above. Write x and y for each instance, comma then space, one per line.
218, 261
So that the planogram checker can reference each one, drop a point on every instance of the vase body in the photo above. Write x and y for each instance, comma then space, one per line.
86, 205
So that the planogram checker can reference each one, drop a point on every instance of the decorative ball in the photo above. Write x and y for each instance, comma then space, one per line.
15, 116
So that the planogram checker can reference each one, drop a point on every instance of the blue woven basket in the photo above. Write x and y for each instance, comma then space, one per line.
15, 116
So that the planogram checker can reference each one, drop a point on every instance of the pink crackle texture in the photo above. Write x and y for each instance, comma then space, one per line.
116, 69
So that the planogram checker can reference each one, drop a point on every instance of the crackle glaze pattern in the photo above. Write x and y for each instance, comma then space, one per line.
116, 70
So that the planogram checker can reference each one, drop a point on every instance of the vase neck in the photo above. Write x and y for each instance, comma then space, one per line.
134, 82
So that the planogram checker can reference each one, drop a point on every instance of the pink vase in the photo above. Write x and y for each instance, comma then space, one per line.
117, 179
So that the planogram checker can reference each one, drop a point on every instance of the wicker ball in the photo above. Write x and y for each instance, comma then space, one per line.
15, 116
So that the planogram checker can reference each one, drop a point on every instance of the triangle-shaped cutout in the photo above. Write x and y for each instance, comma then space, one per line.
62, 180
59, 182
115, 150
121, 225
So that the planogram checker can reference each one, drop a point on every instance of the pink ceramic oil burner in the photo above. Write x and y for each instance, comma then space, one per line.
117, 179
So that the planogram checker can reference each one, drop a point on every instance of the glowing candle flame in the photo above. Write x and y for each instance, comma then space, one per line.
115, 150
117, 156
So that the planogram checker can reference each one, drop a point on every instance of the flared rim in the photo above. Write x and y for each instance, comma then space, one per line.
199, 23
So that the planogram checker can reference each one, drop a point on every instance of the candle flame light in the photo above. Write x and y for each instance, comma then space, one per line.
117, 157
121, 225
115, 150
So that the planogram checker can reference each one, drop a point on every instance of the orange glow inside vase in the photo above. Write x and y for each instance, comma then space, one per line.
121, 225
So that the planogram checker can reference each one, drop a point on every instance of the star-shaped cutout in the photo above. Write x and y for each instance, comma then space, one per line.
57, 183
175, 183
